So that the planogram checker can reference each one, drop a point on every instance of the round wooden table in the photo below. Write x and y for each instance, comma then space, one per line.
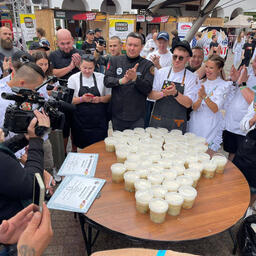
221, 202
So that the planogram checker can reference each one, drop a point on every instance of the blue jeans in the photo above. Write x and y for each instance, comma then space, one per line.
4, 252
9, 250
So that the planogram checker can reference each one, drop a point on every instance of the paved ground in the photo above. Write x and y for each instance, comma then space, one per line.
68, 239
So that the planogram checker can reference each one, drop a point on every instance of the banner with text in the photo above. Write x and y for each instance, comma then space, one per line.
121, 28
28, 26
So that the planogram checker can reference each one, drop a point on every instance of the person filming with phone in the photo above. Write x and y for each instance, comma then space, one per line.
16, 182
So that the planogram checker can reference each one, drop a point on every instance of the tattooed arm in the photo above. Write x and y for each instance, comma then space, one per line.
37, 235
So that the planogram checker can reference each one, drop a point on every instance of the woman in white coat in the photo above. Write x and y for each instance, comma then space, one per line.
206, 119
238, 48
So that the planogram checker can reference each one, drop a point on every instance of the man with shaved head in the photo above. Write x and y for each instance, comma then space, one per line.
66, 59
27, 76
65, 62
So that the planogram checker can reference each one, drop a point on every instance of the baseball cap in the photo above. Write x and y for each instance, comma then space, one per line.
90, 31
163, 35
185, 45
22, 57
37, 45
98, 30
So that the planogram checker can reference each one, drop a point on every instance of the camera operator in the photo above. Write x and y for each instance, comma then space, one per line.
28, 76
16, 182
114, 49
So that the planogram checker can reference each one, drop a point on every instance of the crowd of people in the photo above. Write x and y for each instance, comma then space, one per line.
155, 83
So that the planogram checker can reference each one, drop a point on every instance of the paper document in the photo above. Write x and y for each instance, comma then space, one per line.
79, 164
76, 194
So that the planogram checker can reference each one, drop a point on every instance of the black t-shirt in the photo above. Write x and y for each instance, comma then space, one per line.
248, 50
60, 59
89, 48
212, 44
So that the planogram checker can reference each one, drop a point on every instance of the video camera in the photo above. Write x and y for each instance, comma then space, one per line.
17, 119
102, 42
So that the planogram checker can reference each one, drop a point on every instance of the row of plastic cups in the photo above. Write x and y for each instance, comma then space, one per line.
172, 203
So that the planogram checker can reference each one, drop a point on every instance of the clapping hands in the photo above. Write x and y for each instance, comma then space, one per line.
130, 75
201, 92
234, 74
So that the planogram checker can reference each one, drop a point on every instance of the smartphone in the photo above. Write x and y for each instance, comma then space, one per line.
38, 192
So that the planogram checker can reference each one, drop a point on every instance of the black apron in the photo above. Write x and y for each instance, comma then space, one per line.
167, 112
90, 122
245, 158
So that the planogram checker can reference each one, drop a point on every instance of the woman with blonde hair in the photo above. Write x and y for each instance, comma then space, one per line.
206, 120
238, 48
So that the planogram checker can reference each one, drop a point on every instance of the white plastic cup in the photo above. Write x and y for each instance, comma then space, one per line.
221, 162
117, 171
158, 209
142, 184
189, 194
143, 198
175, 202
209, 169
129, 178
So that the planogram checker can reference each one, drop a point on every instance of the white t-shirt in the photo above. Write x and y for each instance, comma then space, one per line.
3, 106
237, 108
244, 124
191, 80
146, 49
165, 59
74, 83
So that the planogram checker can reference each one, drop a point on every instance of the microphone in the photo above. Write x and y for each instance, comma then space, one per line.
10, 96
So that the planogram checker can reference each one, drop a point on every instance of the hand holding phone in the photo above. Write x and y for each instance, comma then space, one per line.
38, 192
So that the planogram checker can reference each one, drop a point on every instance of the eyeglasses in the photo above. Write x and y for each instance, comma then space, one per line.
88, 57
180, 58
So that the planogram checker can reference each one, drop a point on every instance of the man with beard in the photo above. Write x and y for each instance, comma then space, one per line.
65, 62
7, 49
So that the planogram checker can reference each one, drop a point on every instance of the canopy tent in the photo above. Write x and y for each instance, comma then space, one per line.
203, 13
160, 2
241, 21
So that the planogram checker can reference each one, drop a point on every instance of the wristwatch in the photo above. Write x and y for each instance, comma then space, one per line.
176, 94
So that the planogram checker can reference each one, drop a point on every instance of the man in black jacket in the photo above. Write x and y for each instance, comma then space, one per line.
130, 76
16, 182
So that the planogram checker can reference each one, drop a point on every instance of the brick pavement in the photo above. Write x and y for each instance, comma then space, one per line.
68, 239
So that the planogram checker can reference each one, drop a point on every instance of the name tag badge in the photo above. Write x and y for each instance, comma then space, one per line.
119, 71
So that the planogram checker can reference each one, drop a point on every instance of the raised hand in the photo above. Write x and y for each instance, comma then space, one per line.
234, 74
131, 74
243, 77
201, 92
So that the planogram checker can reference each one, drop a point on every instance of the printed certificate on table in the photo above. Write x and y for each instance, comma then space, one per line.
76, 194
79, 164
